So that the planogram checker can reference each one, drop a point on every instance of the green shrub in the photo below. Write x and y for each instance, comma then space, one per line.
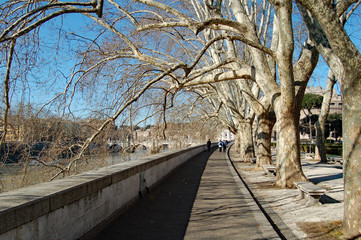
331, 148
334, 150
306, 148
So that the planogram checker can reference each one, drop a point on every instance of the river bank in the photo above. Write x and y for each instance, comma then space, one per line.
18, 175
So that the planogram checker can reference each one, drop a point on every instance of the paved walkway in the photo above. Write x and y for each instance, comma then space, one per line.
204, 199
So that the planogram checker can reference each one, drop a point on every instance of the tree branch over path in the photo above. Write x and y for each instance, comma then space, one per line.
20, 28
244, 73
114, 117
6, 93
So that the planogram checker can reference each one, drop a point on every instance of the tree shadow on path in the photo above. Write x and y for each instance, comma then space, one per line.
164, 212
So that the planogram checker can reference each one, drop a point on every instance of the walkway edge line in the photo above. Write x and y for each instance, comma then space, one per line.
274, 220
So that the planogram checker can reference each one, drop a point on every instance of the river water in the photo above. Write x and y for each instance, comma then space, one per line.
18, 175
9, 170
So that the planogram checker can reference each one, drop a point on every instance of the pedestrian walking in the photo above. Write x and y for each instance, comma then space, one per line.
209, 145
224, 145
220, 145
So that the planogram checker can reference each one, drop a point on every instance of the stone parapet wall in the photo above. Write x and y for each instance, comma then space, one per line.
71, 207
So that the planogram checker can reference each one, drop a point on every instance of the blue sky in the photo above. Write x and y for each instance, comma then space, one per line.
353, 28
66, 58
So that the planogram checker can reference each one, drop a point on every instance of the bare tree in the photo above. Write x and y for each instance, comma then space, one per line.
220, 48
329, 36
320, 152
289, 158
182, 54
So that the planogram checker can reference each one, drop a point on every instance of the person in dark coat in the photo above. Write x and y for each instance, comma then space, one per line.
209, 145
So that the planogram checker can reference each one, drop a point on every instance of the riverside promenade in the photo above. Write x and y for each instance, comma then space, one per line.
203, 199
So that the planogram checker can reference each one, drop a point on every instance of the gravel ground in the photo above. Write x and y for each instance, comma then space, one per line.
306, 222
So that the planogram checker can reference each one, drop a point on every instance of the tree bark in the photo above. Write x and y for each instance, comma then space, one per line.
320, 152
265, 126
310, 129
351, 129
347, 69
247, 149
280, 95
239, 142
289, 168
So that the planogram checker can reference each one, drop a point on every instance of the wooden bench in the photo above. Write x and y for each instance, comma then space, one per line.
270, 170
335, 160
312, 191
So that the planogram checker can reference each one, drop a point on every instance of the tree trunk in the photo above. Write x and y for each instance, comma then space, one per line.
310, 129
289, 168
347, 70
247, 152
241, 142
351, 128
320, 152
237, 142
265, 126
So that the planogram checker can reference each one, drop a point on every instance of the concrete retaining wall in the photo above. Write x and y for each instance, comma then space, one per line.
71, 207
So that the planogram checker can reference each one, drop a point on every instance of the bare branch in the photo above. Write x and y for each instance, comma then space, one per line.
114, 117
6, 92
244, 73
67, 8
343, 5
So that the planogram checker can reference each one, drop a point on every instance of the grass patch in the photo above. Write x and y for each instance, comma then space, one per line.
322, 230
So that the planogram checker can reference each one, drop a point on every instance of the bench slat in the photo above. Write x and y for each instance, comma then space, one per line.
314, 192
311, 188
269, 169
